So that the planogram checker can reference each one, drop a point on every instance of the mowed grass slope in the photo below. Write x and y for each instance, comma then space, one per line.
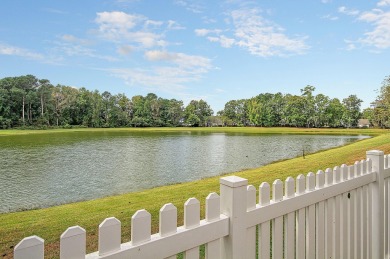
51, 222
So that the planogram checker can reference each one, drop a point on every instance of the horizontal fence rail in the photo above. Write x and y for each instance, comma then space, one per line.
342, 212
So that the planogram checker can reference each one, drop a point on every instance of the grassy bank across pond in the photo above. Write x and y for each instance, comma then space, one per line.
49, 223
244, 130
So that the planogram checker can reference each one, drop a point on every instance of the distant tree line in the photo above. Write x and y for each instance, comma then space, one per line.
305, 110
27, 101
379, 112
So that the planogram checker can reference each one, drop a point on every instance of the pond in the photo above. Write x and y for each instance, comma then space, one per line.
48, 169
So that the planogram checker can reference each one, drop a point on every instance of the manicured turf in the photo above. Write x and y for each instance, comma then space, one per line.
51, 222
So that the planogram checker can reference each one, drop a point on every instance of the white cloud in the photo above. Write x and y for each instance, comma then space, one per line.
350, 45
55, 11
202, 32
171, 77
384, 3
123, 27
262, 37
117, 21
73, 39
20, 52
330, 17
71, 49
219, 90
181, 59
125, 50
146, 39
173, 25
205, 32
208, 20
213, 39
152, 23
166, 79
379, 37
348, 11
226, 42
192, 6
255, 34
223, 40
326, 1
371, 16
126, 1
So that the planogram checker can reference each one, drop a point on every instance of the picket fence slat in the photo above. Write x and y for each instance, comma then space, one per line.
213, 248
351, 215
343, 212
337, 216
364, 166
251, 232
387, 219
387, 205
369, 221
140, 227
387, 215
358, 213
168, 222
289, 240
191, 213
191, 220
277, 223
329, 217
30, 247
365, 209
109, 236
73, 243
310, 219
320, 218
301, 220
192, 253
265, 228
388, 209
364, 222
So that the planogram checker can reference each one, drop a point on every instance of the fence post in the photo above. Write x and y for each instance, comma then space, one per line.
377, 212
233, 204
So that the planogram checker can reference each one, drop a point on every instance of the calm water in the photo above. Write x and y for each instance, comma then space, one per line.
49, 169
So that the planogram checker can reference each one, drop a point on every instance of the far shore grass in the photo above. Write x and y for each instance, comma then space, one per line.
49, 223
244, 130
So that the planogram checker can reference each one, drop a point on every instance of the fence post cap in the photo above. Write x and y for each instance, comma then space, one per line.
29, 242
73, 231
191, 201
108, 222
141, 214
375, 153
233, 181
212, 196
168, 207
250, 188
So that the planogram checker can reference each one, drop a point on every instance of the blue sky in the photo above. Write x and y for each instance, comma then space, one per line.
211, 50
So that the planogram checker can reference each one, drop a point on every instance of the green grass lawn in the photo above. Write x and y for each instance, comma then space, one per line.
49, 223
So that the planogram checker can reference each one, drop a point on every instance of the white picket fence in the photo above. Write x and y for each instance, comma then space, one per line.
337, 213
